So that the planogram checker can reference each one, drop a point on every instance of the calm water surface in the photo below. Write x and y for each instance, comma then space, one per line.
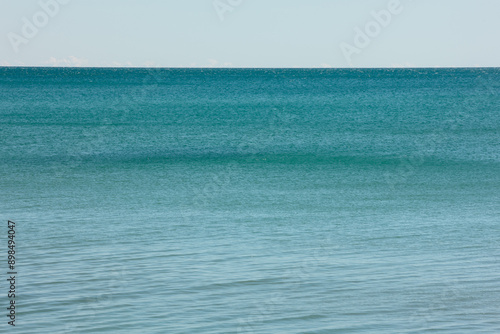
252, 201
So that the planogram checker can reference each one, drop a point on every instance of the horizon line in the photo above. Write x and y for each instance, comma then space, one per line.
237, 68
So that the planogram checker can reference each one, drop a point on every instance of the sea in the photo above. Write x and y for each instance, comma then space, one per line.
285, 201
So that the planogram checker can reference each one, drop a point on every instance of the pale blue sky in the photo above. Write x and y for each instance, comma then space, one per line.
253, 33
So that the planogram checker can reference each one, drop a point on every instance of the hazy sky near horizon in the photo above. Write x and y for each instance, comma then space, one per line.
250, 33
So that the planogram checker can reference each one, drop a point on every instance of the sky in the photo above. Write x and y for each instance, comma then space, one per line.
250, 33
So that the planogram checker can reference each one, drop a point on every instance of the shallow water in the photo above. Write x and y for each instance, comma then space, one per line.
253, 201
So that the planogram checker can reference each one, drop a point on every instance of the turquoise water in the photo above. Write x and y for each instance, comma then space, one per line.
252, 201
